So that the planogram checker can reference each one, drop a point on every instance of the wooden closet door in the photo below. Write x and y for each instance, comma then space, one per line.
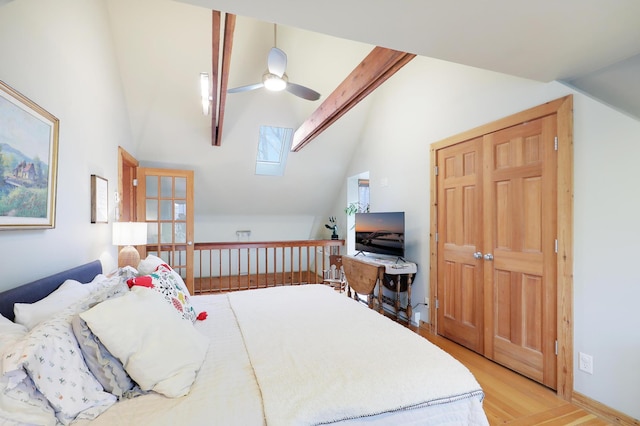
520, 230
460, 274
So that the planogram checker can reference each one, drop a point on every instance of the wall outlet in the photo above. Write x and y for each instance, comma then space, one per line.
585, 362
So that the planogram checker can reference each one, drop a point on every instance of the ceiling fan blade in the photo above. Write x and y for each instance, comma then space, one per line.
246, 88
277, 61
303, 92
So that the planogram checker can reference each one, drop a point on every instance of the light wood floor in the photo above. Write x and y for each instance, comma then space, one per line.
511, 399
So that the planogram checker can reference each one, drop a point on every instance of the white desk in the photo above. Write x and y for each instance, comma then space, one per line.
392, 266
377, 267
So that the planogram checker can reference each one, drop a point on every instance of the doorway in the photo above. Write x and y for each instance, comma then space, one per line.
165, 204
127, 181
163, 199
500, 276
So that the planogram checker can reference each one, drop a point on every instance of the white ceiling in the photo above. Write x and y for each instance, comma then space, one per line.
591, 44
161, 46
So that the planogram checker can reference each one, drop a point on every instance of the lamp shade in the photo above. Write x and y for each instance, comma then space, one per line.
129, 233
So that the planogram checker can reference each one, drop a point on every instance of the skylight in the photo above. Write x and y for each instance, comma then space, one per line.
273, 149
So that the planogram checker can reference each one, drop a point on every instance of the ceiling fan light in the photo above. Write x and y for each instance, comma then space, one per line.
274, 83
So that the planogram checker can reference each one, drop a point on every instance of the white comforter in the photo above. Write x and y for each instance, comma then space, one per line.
308, 355
320, 358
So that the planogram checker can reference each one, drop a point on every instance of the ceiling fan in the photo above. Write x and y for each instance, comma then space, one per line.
275, 78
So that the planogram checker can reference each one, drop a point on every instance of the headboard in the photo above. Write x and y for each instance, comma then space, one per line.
38, 289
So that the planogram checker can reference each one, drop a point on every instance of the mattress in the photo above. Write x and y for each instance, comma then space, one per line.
231, 389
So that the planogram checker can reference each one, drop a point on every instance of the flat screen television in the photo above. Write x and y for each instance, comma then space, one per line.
380, 233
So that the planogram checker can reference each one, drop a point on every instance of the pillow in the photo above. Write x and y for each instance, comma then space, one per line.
149, 264
159, 351
106, 368
30, 314
51, 357
70, 292
170, 285
10, 332
127, 272
24, 404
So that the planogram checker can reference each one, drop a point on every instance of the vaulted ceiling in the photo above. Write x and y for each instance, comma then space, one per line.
588, 43
161, 47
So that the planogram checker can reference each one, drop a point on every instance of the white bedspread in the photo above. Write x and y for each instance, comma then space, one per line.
226, 391
320, 358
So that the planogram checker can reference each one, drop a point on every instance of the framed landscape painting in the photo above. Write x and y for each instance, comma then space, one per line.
28, 162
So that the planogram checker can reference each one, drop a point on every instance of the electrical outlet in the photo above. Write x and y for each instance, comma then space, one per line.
585, 363
426, 300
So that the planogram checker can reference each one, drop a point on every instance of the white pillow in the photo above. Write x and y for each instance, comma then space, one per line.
149, 264
10, 332
31, 314
159, 350
51, 357
69, 293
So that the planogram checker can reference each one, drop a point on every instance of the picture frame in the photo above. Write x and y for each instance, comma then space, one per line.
28, 162
99, 199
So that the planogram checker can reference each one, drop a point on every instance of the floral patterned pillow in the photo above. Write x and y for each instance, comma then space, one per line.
24, 404
51, 357
170, 285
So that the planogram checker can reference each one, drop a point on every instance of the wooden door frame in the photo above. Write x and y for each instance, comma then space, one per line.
189, 175
127, 166
563, 108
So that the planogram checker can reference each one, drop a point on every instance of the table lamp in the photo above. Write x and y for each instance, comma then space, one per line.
129, 234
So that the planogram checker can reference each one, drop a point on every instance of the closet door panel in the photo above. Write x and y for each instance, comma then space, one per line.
520, 288
460, 276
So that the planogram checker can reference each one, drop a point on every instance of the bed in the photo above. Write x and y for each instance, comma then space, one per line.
288, 355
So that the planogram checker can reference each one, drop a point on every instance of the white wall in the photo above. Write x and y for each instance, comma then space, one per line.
59, 54
211, 228
429, 100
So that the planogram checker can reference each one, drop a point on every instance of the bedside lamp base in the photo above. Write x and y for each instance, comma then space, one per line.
128, 256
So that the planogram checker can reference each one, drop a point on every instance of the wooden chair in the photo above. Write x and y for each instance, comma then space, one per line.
334, 276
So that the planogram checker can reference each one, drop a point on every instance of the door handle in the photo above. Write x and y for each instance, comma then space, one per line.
488, 256
477, 255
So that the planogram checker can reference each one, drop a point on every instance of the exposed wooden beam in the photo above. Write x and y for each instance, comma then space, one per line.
215, 63
220, 71
374, 70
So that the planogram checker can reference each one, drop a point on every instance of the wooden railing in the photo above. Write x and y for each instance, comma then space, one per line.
230, 266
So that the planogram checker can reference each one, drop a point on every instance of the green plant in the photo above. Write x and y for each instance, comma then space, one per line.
356, 207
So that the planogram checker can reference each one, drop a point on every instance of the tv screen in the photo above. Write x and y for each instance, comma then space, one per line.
380, 233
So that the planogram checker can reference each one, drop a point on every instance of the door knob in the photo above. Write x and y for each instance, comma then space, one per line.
477, 255
488, 256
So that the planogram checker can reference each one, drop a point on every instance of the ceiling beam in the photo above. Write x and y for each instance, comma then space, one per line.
220, 71
375, 69
215, 63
